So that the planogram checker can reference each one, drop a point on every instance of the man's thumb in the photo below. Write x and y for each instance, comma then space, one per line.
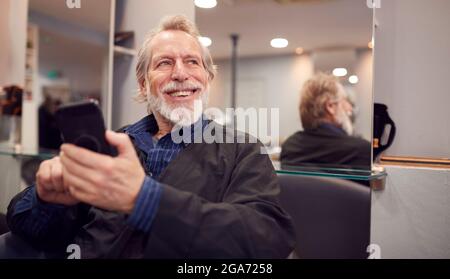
122, 142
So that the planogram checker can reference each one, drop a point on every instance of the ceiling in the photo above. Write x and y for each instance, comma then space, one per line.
93, 15
310, 24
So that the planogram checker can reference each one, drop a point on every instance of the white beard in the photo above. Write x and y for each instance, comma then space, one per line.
184, 114
345, 121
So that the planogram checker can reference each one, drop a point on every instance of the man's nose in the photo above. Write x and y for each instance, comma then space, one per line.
179, 72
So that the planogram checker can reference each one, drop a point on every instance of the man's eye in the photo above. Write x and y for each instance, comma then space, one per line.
163, 63
193, 61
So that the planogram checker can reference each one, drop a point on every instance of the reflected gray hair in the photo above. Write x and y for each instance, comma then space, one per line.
175, 23
316, 92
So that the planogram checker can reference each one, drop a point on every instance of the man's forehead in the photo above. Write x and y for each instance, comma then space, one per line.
173, 33
171, 39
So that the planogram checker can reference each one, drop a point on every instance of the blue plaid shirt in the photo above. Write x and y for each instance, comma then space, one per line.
158, 156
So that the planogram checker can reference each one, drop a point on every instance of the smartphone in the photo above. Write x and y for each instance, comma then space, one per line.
82, 124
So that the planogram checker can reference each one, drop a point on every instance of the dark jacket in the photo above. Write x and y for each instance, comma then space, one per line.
219, 200
327, 148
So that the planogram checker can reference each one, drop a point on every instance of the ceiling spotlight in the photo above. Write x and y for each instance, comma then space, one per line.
205, 41
299, 50
340, 72
279, 43
353, 79
205, 4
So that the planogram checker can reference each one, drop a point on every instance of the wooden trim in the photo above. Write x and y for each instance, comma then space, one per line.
416, 161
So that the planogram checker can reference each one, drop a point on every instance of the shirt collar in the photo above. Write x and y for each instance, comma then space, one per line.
145, 125
332, 128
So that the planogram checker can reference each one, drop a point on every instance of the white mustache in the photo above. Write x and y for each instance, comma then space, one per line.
174, 86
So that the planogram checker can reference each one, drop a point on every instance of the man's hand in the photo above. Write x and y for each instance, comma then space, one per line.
49, 183
111, 183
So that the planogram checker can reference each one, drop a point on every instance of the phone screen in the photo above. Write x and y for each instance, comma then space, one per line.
82, 124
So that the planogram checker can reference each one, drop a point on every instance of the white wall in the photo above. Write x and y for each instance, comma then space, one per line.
82, 65
282, 77
364, 94
12, 40
13, 19
4, 45
411, 217
139, 16
412, 45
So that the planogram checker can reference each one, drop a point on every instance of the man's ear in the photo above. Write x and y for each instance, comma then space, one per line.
331, 108
210, 76
142, 89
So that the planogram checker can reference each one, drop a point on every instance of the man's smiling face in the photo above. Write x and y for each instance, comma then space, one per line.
176, 73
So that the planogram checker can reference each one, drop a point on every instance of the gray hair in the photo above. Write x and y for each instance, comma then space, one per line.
176, 23
316, 92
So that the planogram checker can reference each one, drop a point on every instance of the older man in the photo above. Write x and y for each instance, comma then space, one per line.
327, 139
159, 198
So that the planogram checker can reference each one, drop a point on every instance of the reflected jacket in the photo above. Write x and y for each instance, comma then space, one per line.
326, 146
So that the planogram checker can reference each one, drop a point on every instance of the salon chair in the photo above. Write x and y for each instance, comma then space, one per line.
331, 216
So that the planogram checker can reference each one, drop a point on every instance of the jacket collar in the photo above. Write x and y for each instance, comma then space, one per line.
328, 128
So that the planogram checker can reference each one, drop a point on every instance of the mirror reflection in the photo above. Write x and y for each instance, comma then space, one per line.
67, 60
317, 73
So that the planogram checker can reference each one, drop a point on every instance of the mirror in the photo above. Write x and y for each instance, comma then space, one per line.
323, 36
67, 59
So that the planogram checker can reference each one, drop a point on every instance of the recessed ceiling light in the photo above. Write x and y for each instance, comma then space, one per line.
205, 4
279, 43
205, 41
340, 72
353, 79
299, 50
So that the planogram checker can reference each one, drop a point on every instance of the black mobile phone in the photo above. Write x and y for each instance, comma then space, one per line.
82, 124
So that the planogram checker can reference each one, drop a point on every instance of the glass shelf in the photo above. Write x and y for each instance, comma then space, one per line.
17, 151
375, 177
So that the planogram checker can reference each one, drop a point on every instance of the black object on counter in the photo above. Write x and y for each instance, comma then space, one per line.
381, 119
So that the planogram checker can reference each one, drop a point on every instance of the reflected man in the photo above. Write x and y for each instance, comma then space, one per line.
327, 139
